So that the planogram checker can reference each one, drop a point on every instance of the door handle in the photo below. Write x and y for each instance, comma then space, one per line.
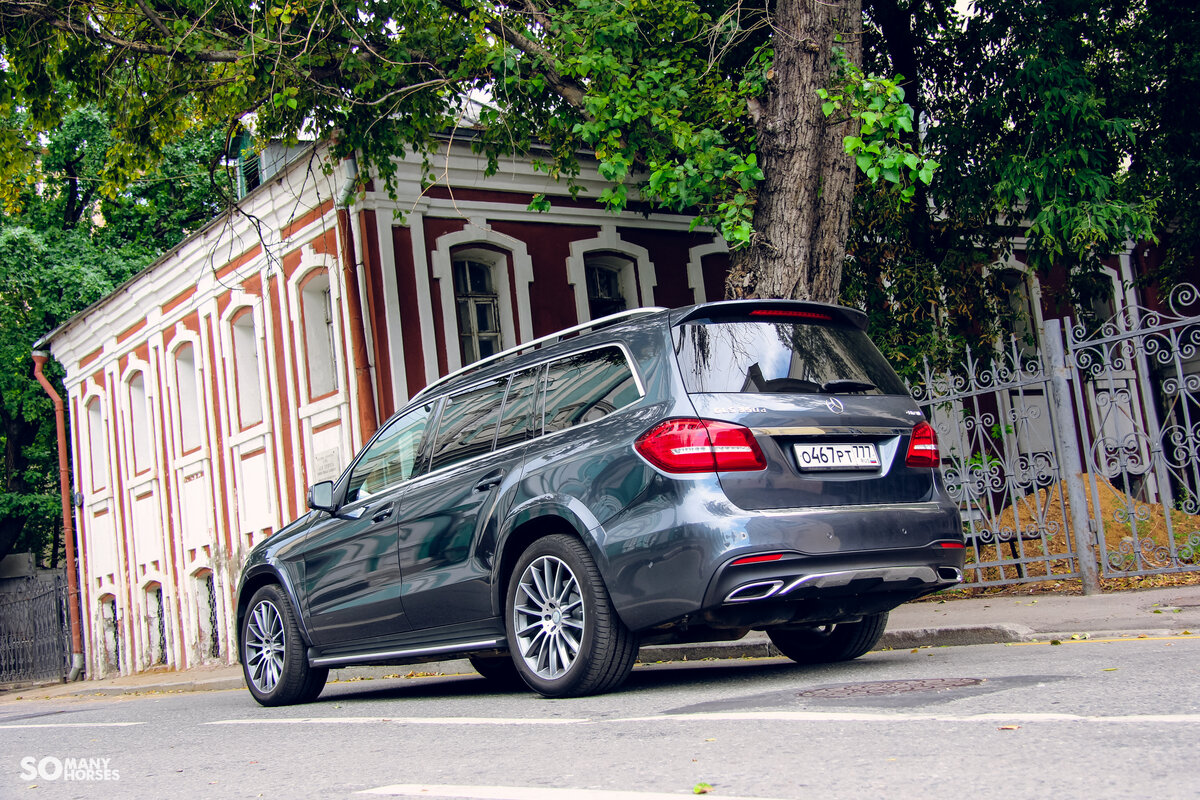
382, 513
490, 480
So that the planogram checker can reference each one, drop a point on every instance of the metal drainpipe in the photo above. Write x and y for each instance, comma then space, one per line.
64, 482
368, 420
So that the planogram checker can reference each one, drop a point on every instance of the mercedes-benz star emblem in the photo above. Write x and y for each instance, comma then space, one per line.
835, 405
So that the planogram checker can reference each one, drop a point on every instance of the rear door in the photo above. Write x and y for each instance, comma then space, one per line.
449, 516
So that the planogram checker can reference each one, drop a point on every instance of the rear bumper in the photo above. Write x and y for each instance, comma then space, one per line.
673, 562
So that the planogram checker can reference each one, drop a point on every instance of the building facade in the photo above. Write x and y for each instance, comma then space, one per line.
257, 357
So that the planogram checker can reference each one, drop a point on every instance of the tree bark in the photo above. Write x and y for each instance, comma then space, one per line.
802, 212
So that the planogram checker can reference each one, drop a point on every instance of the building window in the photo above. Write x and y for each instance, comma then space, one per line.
316, 309
188, 400
604, 290
208, 616
478, 309
245, 363
156, 624
97, 445
139, 423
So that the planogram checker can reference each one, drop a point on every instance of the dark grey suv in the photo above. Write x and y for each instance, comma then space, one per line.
656, 476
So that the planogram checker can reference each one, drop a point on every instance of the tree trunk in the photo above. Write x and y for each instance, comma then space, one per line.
802, 212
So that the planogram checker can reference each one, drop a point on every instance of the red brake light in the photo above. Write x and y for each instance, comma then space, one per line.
923, 447
757, 559
700, 445
789, 312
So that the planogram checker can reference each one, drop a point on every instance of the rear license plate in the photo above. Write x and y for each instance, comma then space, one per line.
836, 456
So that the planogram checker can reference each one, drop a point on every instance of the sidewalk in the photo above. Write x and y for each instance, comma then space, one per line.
1154, 612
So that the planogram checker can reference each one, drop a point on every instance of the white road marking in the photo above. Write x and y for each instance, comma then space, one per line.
855, 716
533, 793
396, 721
71, 725
731, 716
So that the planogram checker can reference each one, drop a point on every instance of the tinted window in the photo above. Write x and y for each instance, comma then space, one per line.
785, 357
516, 421
391, 458
468, 425
587, 387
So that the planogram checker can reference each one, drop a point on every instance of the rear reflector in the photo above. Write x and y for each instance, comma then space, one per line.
952, 545
923, 447
700, 445
757, 559
788, 312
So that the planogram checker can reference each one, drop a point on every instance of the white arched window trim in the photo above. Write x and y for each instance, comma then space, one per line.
609, 240
237, 307
138, 432
457, 245
296, 286
94, 451
695, 268
182, 414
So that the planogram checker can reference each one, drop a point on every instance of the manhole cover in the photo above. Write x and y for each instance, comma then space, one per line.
891, 687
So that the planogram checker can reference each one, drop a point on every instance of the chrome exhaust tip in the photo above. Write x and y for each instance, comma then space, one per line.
759, 590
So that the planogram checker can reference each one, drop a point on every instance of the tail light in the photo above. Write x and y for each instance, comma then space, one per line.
923, 447
700, 445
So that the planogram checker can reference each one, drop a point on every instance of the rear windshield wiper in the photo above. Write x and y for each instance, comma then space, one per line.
846, 387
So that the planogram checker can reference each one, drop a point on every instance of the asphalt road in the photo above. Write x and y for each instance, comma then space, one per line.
1094, 718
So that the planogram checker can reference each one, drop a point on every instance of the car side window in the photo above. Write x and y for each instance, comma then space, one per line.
393, 457
468, 424
587, 387
520, 405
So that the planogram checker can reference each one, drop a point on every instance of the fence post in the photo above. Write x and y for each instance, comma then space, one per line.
1067, 433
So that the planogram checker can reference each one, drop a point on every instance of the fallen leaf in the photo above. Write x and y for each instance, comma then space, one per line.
1055, 641
1111, 669
1009, 728
702, 788
710, 740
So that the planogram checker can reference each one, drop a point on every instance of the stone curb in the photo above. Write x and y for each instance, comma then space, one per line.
754, 646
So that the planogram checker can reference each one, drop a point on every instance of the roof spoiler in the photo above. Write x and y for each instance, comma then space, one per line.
779, 310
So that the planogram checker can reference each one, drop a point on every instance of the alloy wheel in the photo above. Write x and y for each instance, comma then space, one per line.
265, 646
549, 617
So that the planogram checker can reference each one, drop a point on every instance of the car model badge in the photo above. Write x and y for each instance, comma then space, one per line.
835, 405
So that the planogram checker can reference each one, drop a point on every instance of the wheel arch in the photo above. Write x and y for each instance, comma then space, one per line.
251, 583
529, 524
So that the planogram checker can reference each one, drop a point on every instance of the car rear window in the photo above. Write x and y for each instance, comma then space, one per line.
781, 357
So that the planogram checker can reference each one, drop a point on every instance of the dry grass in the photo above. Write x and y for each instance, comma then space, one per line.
1121, 514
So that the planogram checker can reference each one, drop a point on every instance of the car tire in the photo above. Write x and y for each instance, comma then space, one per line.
828, 643
499, 670
563, 632
274, 658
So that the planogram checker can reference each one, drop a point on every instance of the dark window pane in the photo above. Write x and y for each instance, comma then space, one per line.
587, 387
468, 425
779, 357
391, 458
516, 423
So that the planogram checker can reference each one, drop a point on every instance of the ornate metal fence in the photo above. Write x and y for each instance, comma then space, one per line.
997, 434
1087, 448
34, 639
1139, 379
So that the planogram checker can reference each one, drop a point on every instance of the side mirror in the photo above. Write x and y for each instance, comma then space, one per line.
320, 497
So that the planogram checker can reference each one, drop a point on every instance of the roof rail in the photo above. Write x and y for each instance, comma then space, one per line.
554, 337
